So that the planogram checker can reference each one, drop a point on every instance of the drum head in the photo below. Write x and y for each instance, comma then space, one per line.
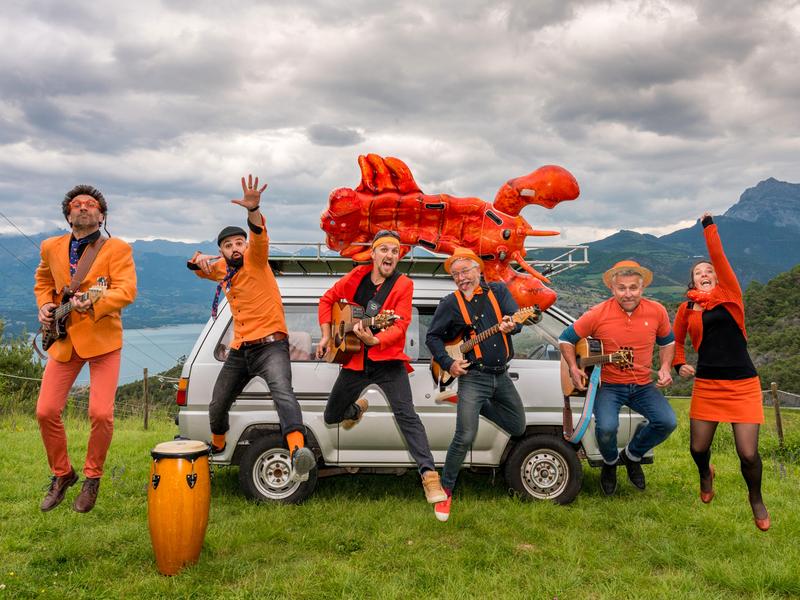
189, 449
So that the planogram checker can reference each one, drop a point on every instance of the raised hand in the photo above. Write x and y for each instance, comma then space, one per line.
252, 193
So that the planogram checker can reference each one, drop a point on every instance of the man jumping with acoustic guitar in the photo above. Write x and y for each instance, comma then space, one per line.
626, 320
484, 386
381, 361
85, 328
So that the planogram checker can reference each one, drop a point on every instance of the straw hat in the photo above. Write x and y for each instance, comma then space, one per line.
628, 265
461, 254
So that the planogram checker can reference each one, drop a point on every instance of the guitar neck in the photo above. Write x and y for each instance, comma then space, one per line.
602, 359
365, 322
64, 309
483, 335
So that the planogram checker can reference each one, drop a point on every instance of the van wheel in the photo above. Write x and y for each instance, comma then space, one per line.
544, 467
265, 473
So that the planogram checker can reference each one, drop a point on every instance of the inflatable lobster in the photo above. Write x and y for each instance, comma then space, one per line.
389, 198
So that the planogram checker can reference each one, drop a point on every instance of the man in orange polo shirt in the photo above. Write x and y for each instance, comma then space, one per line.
93, 335
382, 361
626, 320
259, 346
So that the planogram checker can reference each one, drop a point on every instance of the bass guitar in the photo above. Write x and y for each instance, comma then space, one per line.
58, 328
344, 343
457, 349
589, 352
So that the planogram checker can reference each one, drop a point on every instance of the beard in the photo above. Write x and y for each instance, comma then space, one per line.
235, 261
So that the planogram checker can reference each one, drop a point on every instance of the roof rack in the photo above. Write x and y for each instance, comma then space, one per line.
309, 258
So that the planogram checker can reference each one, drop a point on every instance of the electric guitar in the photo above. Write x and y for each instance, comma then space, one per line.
457, 348
344, 343
58, 328
589, 353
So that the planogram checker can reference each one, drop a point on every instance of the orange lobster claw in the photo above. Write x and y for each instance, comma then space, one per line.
546, 186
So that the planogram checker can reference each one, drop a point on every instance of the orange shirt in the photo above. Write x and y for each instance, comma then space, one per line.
99, 330
254, 297
610, 324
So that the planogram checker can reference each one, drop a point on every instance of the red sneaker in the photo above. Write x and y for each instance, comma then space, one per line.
442, 509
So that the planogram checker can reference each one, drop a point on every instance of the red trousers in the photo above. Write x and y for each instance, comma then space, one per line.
56, 383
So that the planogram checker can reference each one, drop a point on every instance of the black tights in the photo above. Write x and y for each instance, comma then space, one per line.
746, 437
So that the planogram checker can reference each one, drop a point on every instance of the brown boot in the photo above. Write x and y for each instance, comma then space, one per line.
58, 487
88, 496
362, 405
433, 487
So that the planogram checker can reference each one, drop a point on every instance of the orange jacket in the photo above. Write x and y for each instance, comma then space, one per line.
392, 339
100, 330
254, 297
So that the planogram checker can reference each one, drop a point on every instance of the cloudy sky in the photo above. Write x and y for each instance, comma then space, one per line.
661, 109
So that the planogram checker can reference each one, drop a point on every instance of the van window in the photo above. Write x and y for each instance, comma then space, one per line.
540, 340
303, 329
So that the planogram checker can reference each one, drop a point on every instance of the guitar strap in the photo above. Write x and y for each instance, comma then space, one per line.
588, 405
84, 264
374, 306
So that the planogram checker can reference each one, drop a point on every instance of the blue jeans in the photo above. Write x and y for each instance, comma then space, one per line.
491, 395
644, 399
271, 362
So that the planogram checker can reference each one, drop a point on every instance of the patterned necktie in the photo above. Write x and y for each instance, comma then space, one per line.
229, 273
74, 246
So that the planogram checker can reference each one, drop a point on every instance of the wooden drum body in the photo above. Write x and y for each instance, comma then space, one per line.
178, 499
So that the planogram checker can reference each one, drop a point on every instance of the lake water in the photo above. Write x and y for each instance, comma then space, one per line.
158, 349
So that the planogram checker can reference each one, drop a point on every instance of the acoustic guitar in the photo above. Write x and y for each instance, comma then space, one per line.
589, 353
457, 348
58, 328
344, 343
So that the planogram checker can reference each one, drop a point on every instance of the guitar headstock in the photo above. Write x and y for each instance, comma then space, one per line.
98, 290
623, 357
523, 315
384, 318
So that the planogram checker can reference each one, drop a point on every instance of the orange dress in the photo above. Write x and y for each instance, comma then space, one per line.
726, 387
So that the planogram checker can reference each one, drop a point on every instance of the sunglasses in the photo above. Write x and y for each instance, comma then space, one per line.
81, 203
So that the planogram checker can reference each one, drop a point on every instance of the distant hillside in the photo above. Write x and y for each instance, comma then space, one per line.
759, 247
773, 328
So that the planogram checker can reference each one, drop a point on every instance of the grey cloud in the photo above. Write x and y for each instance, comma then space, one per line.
330, 135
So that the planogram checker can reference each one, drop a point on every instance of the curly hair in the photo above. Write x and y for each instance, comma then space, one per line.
83, 190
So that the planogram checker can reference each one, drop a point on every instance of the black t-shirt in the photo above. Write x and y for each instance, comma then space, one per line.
723, 350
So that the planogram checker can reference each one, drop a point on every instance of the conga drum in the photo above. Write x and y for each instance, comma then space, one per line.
178, 498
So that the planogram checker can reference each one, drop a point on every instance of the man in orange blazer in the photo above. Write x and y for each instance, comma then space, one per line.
93, 335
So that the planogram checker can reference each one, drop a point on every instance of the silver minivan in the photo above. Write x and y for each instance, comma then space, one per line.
538, 465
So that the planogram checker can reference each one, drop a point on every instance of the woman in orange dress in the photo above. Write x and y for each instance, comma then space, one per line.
726, 386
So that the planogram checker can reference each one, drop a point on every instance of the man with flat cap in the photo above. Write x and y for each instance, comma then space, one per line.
260, 346
627, 319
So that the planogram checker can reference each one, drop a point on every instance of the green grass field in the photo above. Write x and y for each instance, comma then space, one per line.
371, 536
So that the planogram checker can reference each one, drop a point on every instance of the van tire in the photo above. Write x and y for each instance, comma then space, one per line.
544, 467
265, 473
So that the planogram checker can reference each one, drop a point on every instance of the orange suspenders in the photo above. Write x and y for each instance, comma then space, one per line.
465, 315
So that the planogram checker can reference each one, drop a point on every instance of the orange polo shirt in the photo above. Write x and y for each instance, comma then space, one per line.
254, 297
610, 324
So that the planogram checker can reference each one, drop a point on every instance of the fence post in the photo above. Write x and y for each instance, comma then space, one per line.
146, 400
776, 403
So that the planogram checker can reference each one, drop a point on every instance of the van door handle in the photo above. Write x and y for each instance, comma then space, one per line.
514, 376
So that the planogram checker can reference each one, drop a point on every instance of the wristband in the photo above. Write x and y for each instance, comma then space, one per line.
254, 209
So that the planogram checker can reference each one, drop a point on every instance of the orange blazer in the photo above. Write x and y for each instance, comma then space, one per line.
100, 330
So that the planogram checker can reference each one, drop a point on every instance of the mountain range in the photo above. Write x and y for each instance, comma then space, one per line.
760, 234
